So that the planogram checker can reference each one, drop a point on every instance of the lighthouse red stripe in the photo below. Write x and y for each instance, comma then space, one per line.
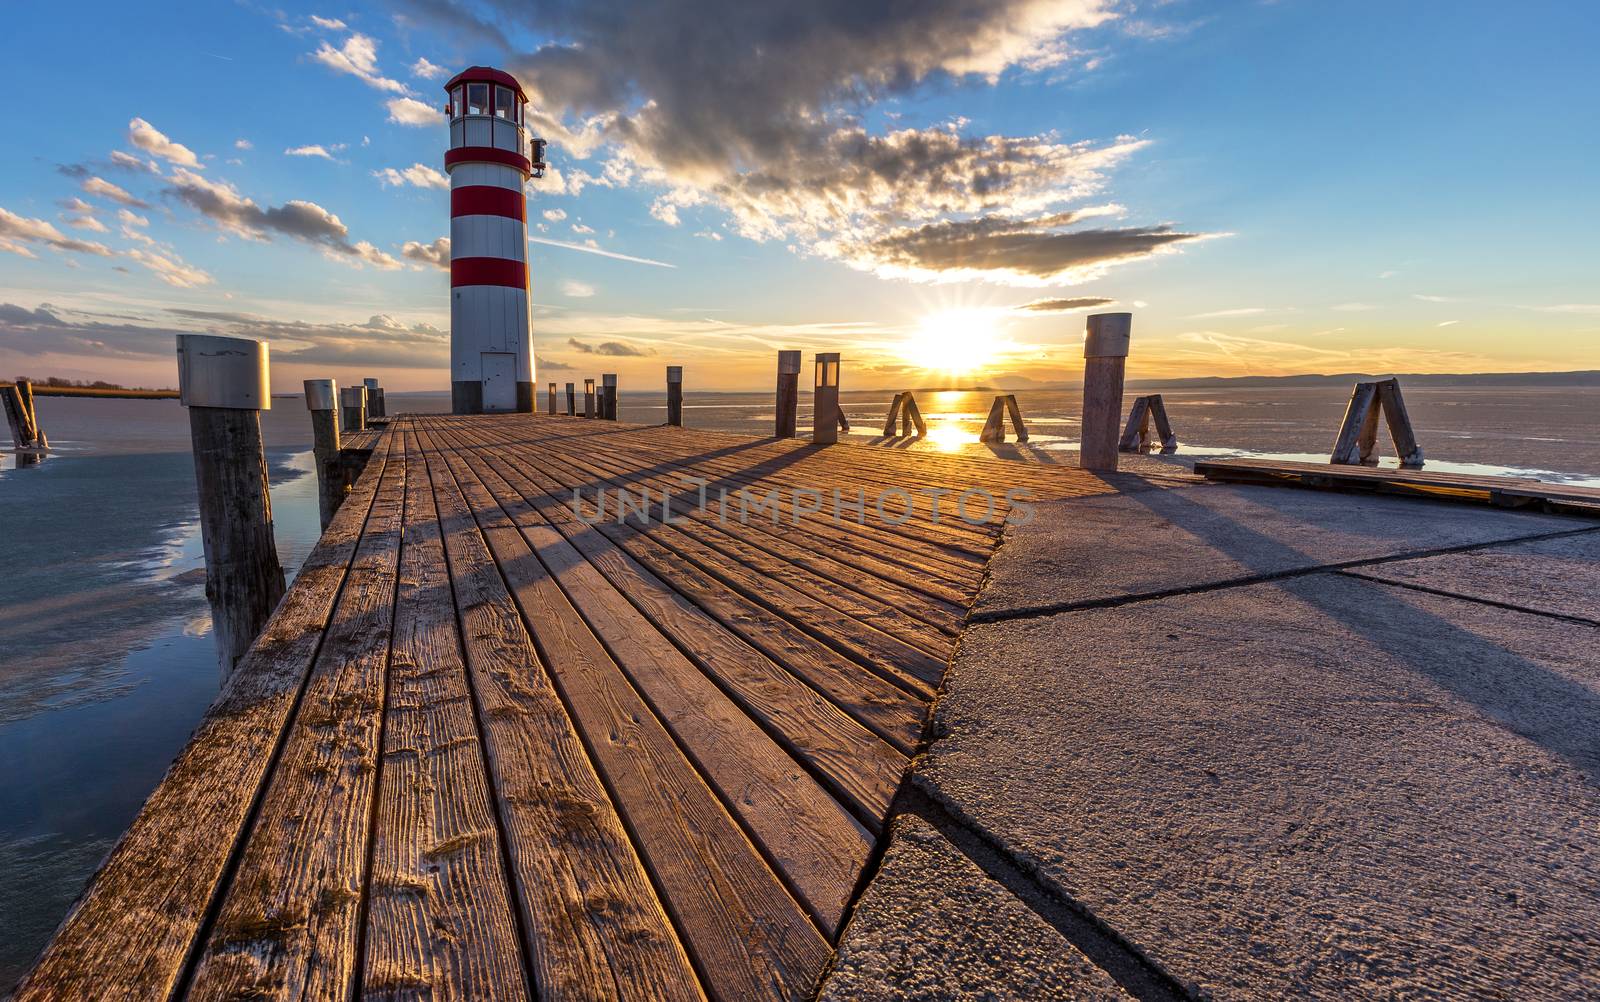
488, 271
487, 200
487, 155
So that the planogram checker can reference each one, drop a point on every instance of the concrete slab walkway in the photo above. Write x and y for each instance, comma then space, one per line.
1265, 775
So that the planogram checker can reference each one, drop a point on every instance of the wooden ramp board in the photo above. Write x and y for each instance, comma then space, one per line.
360, 441
1504, 492
491, 748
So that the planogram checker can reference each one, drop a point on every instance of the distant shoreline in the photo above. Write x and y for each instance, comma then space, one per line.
101, 391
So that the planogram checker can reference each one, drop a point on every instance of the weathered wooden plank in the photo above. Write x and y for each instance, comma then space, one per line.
752, 940
289, 922
808, 545
595, 927
889, 711
131, 931
857, 765
813, 840
440, 920
1347, 445
862, 641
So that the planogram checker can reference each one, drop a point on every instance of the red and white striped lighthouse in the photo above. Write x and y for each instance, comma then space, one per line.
489, 160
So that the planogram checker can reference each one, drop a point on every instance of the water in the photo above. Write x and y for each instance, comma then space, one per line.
106, 657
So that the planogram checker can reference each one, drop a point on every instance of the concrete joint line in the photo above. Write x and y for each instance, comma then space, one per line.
1056, 608
1107, 949
1512, 606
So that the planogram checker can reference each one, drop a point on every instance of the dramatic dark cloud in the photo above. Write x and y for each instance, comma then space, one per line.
550, 365
615, 348
307, 221
52, 330
1065, 305
17, 232
1019, 251
757, 108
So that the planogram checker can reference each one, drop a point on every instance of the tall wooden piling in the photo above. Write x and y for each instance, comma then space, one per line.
608, 396
374, 398
322, 400
1105, 356
675, 395
353, 402
588, 398
223, 381
788, 399
572, 401
552, 405
16, 416
825, 413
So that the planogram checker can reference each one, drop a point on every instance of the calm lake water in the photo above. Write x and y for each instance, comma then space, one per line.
106, 657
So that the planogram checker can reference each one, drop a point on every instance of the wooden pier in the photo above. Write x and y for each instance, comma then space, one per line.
488, 747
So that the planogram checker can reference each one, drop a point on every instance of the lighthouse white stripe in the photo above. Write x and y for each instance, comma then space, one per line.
486, 318
497, 175
488, 236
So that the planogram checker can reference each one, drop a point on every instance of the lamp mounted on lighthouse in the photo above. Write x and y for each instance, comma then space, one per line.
489, 160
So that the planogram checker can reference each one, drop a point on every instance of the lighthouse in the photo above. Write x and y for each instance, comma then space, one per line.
489, 160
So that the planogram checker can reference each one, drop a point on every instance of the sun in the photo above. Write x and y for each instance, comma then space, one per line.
954, 342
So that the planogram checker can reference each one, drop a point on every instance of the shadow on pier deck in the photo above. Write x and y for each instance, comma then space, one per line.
485, 749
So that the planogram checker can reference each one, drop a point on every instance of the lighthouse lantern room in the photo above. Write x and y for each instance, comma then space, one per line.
490, 159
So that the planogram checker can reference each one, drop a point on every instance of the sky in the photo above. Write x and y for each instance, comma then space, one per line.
939, 189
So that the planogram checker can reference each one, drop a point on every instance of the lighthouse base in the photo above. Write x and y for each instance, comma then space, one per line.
466, 397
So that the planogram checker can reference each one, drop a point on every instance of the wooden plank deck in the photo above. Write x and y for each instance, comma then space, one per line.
1503, 492
490, 748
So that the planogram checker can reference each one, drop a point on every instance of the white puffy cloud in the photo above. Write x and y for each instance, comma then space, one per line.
128, 161
150, 139
308, 151
358, 56
17, 231
169, 268
426, 70
555, 215
436, 254
576, 289
410, 111
418, 175
105, 189
243, 144
328, 23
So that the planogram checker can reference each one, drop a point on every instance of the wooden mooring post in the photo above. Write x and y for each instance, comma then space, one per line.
1136, 434
353, 402
374, 399
572, 400
588, 398
1357, 442
788, 398
322, 400
552, 405
1105, 356
223, 381
608, 396
904, 411
26, 435
994, 428
675, 396
826, 415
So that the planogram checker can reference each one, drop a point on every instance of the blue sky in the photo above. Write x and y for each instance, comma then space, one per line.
1268, 187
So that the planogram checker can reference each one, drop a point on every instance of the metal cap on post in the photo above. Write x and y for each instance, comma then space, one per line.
825, 400
224, 382
322, 395
675, 396
374, 398
1106, 342
353, 399
588, 398
230, 372
788, 396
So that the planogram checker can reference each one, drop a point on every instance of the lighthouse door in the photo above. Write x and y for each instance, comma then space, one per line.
499, 381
